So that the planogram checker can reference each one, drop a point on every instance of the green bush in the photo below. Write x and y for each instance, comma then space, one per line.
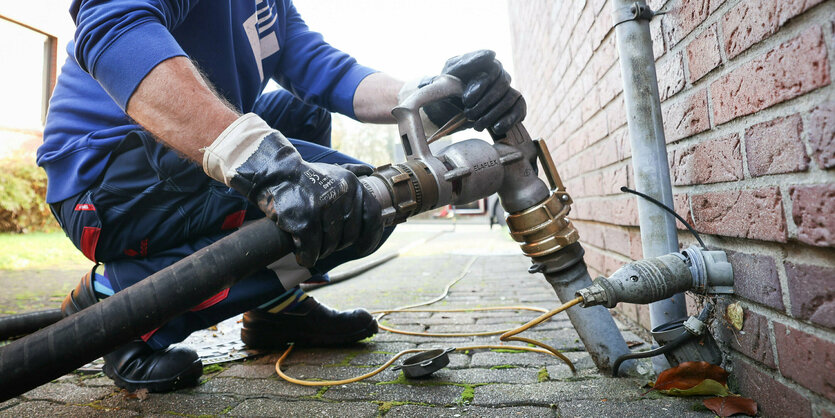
23, 205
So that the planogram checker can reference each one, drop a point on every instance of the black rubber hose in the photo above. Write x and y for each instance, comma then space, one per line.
26, 323
83, 337
670, 346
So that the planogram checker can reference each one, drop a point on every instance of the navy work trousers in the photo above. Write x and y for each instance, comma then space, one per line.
152, 208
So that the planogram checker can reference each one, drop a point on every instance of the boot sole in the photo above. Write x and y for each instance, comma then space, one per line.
186, 378
270, 339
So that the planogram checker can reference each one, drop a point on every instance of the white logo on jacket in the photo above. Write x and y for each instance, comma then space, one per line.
259, 31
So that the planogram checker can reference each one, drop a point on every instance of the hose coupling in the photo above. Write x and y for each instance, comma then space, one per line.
653, 279
544, 228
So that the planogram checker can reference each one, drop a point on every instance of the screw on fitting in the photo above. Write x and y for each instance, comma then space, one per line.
543, 229
711, 271
694, 326
592, 295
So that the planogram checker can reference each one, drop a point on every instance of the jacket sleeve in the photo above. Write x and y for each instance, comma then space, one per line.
120, 41
315, 71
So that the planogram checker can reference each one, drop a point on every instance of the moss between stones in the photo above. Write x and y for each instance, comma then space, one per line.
468, 394
542, 375
87, 376
503, 366
385, 406
321, 392
345, 361
180, 414
213, 368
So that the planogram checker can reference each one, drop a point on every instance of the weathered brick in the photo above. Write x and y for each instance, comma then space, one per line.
610, 86
628, 310
617, 239
602, 262
601, 28
682, 207
616, 115
753, 340
812, 292
635, 246
657, 35
590, 233
793, 68
750, 22
589, 106
806, 359
624, 146
812, 209
756, 279
754, 214
643, 316
821, 131
685, 117
616, 211
703, 54
712, 161
603, 59
670, 75
605, 154
685, 15
594, 129
773, 398
775, 147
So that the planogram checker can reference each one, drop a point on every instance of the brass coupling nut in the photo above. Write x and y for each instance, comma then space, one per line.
544, 228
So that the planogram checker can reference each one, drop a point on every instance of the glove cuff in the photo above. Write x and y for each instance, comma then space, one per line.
234, 146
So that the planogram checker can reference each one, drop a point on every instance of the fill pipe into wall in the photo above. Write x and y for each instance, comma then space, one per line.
649, 149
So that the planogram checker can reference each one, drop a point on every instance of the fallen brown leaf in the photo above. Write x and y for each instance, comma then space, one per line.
727, 406
140, 394
689, 374
633, 344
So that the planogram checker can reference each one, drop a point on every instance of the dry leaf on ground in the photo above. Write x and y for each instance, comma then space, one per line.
727, 406
693, 378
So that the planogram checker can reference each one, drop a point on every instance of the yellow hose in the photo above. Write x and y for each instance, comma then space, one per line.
506, 335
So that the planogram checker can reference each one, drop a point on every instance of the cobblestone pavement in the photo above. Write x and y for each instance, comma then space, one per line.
476, 383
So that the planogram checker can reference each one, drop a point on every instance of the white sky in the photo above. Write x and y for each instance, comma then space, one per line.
405, 38
408, 38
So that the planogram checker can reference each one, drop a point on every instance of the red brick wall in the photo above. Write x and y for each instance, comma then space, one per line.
749, 112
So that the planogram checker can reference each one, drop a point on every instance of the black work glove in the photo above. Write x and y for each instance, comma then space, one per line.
323, 206
488, 100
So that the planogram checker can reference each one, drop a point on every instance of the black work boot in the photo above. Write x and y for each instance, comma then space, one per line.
136, 365
310, 323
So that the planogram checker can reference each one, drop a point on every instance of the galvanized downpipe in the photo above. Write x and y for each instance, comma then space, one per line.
646, 133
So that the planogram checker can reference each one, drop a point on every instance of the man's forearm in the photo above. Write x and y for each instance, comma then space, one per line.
175, 104
375, 97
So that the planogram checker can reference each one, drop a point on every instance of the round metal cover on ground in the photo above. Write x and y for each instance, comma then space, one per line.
425, 363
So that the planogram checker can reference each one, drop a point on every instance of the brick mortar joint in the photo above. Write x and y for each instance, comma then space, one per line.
788, 32
781, 181
802, 105
812, 397
616, 255
773, 337
824, 334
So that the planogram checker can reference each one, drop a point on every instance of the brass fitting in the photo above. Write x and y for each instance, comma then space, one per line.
411, 188
545, 228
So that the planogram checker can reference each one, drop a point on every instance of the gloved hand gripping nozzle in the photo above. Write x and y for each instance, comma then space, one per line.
653, 279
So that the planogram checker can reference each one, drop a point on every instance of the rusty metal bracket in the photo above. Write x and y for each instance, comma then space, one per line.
635, 11
557, 187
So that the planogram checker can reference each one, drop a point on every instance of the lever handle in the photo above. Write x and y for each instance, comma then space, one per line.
407, 113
